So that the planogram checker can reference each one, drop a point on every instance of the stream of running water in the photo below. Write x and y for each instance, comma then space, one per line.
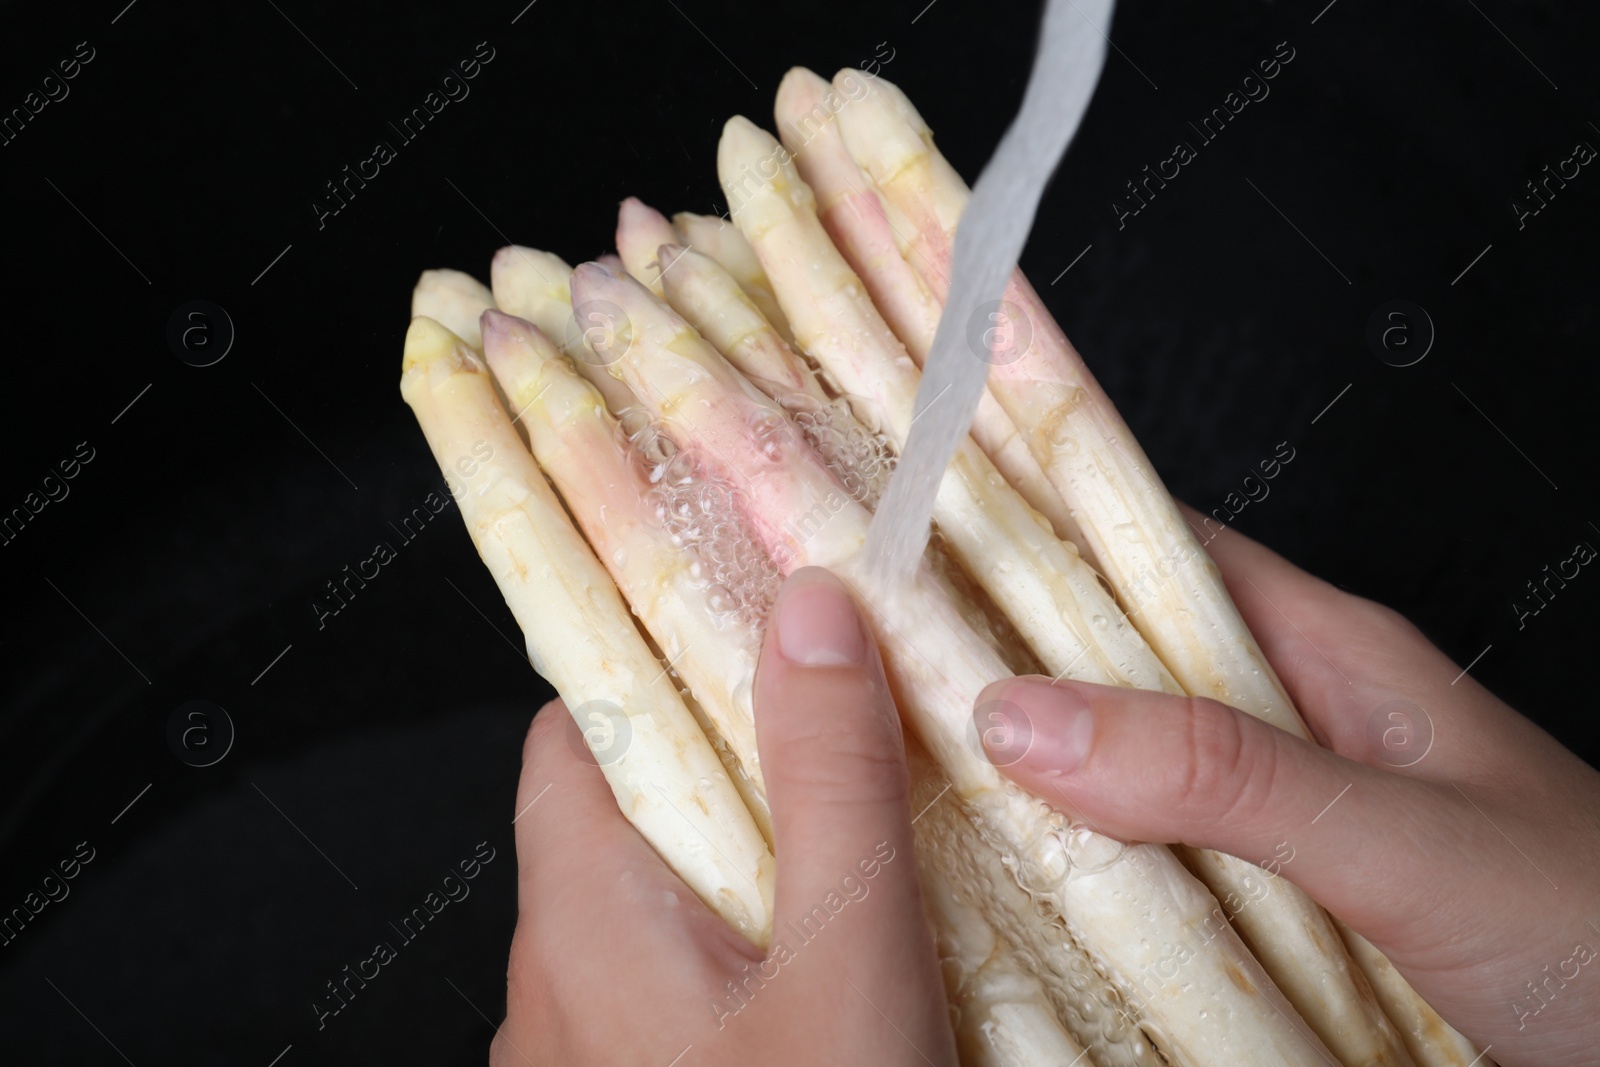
1072, 48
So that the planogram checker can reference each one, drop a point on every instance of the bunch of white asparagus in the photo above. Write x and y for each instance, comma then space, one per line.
724, 403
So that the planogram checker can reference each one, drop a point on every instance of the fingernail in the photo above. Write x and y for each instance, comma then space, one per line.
1051, 727
818, 625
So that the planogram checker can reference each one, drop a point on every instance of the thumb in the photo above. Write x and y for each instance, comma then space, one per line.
1146, 766
835, 768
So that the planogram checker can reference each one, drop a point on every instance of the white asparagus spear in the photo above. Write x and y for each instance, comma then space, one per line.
453, 299
1013, 977
1146, 921
1002, 1012
856, 217
1431, 1041
1053, 598
701, 289
641, 229
696, 614
533, 285
664, 774
722, 241
1172, 591
712, 642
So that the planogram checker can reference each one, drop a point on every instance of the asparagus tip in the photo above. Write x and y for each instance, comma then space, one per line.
430, 346
799, 95
742, 143
513, 258
596, 284
500, 328
502, 266
453, 298
881, 92
497, 326
738, 126
503, 257
447, 278
667, 255
633, 211
517, 353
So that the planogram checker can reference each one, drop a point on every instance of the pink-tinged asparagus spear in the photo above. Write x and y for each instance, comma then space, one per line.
709, 630
707, 297
1140, 541
722, 241
665, 776
700, 618
710, 300
454, 300
641, 229
862, 227
1134, 908
533, 285
1052, 597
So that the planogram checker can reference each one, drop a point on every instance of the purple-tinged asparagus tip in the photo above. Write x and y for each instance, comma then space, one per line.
499, 327
598, 281
668, 255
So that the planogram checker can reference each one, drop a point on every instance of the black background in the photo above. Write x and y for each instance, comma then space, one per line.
189, 550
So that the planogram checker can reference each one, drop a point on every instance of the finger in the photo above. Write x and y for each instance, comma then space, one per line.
587, 883
1152, 767
1368, 683
835, 768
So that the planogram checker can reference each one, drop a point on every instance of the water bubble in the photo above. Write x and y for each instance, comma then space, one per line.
701, 513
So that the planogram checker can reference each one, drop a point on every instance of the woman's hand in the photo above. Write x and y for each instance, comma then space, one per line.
615, 961
1453, 833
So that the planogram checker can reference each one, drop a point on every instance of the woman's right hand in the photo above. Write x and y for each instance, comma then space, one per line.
1456, 835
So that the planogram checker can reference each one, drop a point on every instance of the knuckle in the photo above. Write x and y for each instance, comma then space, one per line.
852, 766
1227, 772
